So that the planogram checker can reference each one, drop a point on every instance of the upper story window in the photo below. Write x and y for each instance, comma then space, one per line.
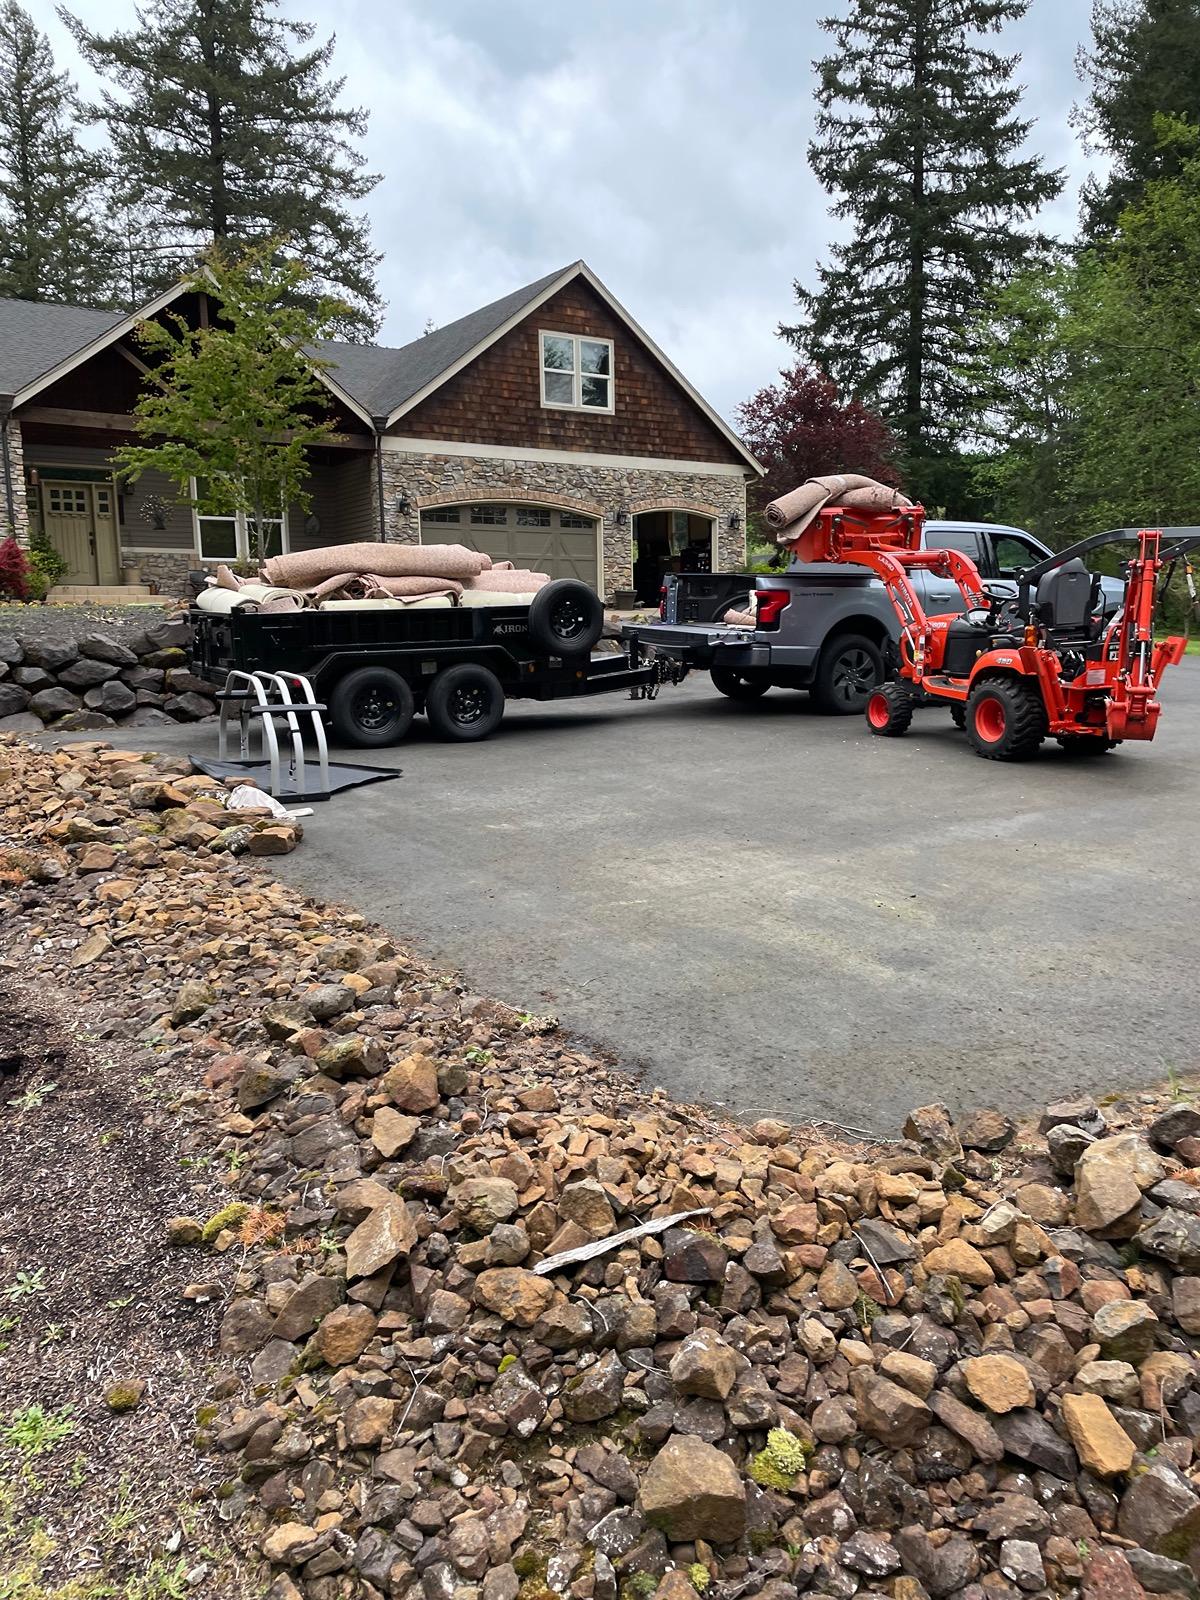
577, 372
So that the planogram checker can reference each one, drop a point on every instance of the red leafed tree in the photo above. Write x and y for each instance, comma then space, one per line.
799, 428
14, 571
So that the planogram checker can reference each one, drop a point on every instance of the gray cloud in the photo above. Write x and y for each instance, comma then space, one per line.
662, 140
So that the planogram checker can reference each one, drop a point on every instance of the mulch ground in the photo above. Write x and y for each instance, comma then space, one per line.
94, 1149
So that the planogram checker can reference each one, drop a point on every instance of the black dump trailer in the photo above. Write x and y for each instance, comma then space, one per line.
374, 670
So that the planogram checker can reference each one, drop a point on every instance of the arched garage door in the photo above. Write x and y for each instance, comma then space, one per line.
562, 543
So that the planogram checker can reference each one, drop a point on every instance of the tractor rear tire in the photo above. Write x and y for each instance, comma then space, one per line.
890, 710
1085, 746
1006, 719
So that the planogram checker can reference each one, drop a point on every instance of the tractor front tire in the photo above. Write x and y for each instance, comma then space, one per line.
1006, 719
890, 710
958, 714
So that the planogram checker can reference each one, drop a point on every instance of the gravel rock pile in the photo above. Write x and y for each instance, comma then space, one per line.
961, 1365
97, 680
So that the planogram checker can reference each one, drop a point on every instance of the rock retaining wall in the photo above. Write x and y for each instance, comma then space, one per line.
98, 681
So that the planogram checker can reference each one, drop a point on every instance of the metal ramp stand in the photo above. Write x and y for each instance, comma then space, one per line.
266, 698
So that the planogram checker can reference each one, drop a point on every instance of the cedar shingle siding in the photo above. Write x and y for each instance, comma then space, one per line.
497, 398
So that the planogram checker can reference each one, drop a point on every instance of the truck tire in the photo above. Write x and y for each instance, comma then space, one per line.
849, 670
738, 685
890, 710
1006, 719
464, 703
735, 602
371, 707
565, 618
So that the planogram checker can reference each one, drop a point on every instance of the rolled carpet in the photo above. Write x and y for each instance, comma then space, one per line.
791, 513
510, 580
305, 568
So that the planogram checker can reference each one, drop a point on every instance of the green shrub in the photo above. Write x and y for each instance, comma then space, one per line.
45, 560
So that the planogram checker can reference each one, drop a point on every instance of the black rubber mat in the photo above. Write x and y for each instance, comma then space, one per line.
342, 775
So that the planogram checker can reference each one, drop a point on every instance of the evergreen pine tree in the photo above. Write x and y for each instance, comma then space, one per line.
918, 137
54, 241
222, 133
1144, 61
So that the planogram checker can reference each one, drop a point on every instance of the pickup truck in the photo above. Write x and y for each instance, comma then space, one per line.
824, 627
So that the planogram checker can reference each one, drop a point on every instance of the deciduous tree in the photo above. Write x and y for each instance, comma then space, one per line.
236, 405
801, 428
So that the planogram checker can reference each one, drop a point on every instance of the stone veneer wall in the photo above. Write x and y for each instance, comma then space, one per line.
168, 569
16, 461
431, 480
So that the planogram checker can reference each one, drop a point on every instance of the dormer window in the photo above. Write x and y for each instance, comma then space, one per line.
577, 372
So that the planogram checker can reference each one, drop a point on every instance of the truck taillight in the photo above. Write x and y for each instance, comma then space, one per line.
662, 602
770, 602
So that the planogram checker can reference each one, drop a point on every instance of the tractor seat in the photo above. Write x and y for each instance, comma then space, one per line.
1067, 599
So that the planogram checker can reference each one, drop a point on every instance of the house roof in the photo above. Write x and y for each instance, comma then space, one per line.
40, 342
36, 336
387, 379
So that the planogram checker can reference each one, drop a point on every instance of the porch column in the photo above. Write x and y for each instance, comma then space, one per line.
14, 506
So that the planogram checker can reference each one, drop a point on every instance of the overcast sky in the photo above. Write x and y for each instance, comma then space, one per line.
661, 140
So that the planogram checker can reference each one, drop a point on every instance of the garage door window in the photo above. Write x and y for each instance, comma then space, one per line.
577, 372
527, 518
488, 516
443, 514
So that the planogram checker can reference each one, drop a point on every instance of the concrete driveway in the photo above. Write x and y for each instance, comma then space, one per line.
769, 908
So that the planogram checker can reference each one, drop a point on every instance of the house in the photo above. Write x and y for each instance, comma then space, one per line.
546, 428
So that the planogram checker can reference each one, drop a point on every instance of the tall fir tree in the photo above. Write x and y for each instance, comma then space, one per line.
917, 135
1144, 61
225, 128
55, 242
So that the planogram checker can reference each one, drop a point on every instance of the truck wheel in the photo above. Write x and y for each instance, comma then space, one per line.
371, 707
890, 710
1006, 719
565, 618
464, 703
738, 685
736, 602
849, 671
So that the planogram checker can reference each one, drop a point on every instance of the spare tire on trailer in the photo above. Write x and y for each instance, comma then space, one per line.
566, 618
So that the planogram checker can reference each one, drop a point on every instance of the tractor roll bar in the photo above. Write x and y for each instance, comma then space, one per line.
1187, 538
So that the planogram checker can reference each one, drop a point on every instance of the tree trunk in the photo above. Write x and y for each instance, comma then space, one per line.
218, 193
914, 376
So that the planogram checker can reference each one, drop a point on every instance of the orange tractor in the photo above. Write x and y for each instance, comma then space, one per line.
1014, 669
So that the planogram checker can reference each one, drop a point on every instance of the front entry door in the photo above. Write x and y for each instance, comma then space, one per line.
80, 525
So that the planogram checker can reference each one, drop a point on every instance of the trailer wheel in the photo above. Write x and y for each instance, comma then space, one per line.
565, 618
738, 685
890, 710
464, 703
1085, 746
371, 706
848, 673
1006, 719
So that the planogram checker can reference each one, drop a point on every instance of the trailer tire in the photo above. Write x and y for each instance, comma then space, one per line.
849, 671
464, 703
1006, 719
565, 618
738, 685
890, 710
371, 707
